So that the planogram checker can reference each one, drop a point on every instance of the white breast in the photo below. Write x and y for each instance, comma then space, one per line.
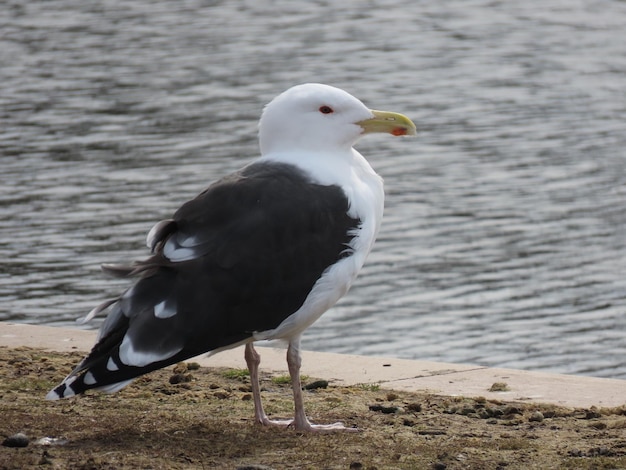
364, 189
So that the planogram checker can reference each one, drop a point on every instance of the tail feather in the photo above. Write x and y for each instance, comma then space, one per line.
155, 323
103, 372
102, 368
78, 384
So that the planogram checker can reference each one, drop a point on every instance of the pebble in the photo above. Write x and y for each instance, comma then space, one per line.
16, 440
512, 410
499, 387
592, 413
537, 417
180, 378
317, 384
386, 409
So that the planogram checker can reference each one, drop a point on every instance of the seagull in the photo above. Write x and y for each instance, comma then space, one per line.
261, 254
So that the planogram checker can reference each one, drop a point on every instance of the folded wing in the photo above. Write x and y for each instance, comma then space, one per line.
238, 259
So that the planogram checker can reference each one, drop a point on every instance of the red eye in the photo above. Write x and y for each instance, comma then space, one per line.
326, 110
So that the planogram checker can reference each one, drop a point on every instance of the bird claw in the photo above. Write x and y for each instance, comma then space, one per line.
309, 427
283, 423
306, 426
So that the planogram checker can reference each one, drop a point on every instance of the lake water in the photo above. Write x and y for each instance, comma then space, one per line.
504, 238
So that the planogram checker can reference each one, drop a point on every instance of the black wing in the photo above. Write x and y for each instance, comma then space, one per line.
238, 259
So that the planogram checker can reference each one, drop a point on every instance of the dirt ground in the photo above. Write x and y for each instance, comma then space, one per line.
191, 417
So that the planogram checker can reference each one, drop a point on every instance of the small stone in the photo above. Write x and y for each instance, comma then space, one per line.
392, 396
16, 440
246, 397
221, 395
536, 417
180, 378
592, 413
499, 387
385, 409
317, 384
512, 410
356, 466
193, 366
439, 466
601, 451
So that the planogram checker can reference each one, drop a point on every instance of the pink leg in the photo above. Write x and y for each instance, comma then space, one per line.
253, 359
300, 422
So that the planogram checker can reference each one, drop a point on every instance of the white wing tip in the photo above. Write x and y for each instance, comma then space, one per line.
53, 395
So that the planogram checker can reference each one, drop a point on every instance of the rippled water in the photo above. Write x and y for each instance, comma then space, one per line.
504, 239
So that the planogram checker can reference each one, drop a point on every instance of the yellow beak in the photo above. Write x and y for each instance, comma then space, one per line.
391, 123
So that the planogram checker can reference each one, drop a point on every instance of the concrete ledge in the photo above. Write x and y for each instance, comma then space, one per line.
390, 373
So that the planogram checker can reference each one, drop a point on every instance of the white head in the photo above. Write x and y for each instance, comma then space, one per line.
311, 117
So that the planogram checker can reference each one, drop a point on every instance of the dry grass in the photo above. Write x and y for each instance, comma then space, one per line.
207, 423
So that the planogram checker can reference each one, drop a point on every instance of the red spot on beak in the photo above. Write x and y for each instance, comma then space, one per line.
399, 131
